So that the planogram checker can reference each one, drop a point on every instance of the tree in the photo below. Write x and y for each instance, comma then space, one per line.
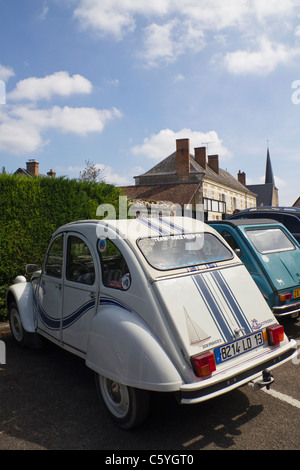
91, 173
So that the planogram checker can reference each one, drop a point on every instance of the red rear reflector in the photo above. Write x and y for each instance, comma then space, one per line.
286, 296
204, 364
275, 334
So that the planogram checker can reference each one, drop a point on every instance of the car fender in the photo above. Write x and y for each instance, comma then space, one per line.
22, 293
122, 347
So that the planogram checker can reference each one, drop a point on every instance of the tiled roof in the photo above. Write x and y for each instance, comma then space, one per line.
168, 167
178, 193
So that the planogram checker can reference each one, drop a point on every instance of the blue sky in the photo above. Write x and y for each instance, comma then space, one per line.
116, 82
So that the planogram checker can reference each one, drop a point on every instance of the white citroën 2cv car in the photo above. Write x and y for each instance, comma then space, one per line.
158, 304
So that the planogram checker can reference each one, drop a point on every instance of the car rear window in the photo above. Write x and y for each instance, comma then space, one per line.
181, 251
270, 240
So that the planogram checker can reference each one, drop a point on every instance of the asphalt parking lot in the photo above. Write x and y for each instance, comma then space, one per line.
48, 401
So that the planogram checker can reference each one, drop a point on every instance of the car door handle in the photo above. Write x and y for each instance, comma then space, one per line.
93, 295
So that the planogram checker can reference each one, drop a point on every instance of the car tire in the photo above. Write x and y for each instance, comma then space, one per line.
20, 335
16, 326
128, 407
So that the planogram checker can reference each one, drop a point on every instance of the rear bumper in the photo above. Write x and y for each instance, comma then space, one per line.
289, 309
190, 394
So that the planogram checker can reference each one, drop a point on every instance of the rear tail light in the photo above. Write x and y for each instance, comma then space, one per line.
204, 364
286, 296
275, 334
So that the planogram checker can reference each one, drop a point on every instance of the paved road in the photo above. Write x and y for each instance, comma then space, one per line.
48, 401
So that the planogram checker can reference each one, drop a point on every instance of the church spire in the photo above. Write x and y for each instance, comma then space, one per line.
269, 177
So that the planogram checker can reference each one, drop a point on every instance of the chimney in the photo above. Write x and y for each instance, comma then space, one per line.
213, 163
33, 167
242, 177
183, 157
200, 156
51, 173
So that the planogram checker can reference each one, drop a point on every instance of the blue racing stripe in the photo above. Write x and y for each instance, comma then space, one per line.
232, 302
74, 316
172, 225
55, 323
111, 301
149, 223
213, 307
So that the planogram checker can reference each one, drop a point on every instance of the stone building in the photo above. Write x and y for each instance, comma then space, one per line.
195, 182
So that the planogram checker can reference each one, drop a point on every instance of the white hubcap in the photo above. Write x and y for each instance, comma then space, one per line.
16, 324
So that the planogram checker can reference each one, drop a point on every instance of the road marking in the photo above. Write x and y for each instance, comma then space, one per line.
282, 397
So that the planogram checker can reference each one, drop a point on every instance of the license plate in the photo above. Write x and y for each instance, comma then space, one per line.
296, 293
238, 347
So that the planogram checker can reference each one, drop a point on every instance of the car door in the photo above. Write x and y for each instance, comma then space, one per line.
80, 292
50, 290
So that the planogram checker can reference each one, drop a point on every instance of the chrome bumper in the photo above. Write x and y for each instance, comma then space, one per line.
287, 309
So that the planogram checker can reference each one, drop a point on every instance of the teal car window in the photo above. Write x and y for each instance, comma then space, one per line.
270, 240
230, 240
182, 251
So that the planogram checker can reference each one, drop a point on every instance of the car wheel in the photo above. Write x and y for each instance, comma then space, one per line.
128, 407
15, 322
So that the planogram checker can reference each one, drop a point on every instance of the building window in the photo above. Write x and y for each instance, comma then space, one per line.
213, 205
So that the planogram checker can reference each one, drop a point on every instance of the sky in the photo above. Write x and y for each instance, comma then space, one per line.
116, 82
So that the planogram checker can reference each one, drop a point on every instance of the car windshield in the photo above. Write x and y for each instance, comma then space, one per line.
270, 240
178, 251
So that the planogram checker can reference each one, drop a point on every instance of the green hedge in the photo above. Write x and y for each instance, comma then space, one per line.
32, 209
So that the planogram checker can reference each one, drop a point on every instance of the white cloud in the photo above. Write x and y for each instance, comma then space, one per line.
111, 177
23, 129
165, 43
179, 78
173, 27
158, 44
6, 72
262, 61
44, 12
17, 137
116, 18
79, 121
160, 145
59, 83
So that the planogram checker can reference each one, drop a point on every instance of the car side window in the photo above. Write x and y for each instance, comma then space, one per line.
292, 223
54, 261
115, 272
231, 242
80, 263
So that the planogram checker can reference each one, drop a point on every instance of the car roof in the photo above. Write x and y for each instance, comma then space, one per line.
139, 227
240, 222
269, 209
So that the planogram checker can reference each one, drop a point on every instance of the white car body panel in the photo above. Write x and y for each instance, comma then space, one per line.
145, 336
208, 307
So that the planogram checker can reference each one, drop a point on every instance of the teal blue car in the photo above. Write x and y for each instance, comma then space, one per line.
272, 256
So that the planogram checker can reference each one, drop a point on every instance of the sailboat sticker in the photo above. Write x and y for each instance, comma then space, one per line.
196, 334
